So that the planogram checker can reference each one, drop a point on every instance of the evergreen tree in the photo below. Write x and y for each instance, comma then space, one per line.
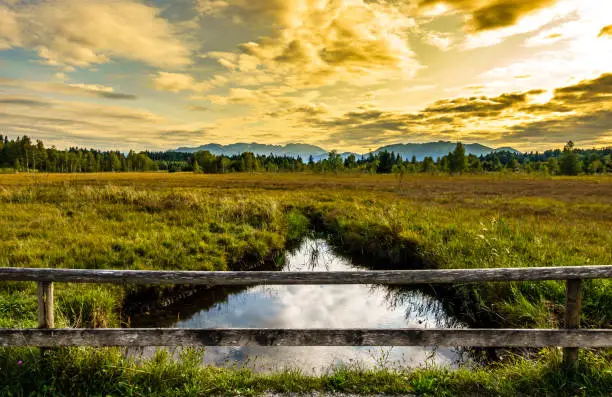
457, 159
386, 161
569, 164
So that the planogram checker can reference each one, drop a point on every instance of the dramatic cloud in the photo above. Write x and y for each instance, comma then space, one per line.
582, 112
480, 106
589, 91
86, 32
493, 14
316, 42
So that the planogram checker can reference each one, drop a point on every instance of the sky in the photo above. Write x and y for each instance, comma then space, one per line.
351, 75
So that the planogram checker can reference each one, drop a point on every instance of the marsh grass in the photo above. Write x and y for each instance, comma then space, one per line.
214, 222
85, 371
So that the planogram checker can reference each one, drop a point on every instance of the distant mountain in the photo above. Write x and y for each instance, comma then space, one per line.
405, 150
507, 149
291, 149
438, 149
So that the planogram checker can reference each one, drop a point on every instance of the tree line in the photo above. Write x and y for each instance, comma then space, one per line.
24, 155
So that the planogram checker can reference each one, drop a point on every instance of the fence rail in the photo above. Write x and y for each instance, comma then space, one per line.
139, 337
570, 338
404, 277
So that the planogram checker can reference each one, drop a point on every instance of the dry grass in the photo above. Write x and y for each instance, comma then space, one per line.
415, 187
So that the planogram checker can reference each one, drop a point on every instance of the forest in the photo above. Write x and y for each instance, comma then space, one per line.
23, 154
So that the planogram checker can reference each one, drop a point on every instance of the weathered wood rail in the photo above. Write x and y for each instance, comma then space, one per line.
570, 338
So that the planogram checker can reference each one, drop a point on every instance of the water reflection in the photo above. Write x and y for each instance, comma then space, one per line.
322, 306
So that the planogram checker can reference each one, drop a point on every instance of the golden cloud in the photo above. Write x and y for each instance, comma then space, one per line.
76, 89
86, 32
493, 14
177, 82
318, 42
9, 29
581, 111
606, 31
69, 123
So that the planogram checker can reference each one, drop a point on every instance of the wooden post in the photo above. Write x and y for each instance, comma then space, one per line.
45, 310
573, 304
45, 305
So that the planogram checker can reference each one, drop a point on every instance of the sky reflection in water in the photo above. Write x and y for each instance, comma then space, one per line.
323, 306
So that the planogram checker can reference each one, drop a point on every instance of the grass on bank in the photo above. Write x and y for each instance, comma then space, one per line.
83, 371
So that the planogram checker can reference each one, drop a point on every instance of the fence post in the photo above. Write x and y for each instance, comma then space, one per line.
573, 304
45, 305
45, 310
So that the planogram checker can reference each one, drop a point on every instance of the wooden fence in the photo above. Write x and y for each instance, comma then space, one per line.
570, 338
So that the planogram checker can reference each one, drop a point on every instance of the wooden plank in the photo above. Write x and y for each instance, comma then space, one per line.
45, 305
573, 305
306, 337
272, 277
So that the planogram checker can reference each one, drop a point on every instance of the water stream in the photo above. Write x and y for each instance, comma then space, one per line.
321, 306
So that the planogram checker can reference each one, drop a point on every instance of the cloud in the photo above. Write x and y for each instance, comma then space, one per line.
196, 108
177, 82
241, 96
68, 123
588, 91
211, 7
318, 43
443, 41
10, 34
503, 13
588, 129
114, 95
307, 110
17, 101
581, 111
86, 32
606, 31
77, 89
492, 14
480, 106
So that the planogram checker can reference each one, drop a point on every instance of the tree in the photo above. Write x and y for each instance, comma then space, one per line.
311, 162
428, 165
196, 167
474, 164
553, 165
350, 162
569, 164
113, 162
514, 165
595, 167
457, 159
334, 161
386, 161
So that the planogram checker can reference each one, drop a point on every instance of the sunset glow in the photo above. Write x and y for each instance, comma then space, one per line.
340, 74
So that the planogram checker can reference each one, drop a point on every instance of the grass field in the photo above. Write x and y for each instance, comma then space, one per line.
245, 221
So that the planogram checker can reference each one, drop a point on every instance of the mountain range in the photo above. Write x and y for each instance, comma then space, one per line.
291, 149
405, 150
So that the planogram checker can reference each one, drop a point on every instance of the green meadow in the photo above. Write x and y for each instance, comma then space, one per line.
186, 221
